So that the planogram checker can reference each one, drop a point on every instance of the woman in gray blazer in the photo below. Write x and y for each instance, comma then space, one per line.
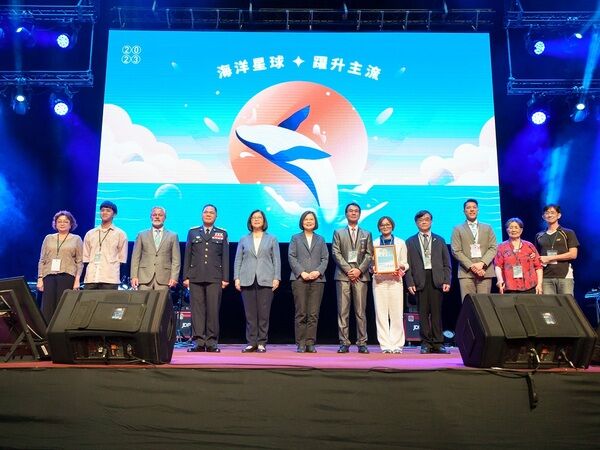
60, 264
308, 257
257, 272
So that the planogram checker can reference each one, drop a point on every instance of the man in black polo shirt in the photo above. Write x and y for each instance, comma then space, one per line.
557, 247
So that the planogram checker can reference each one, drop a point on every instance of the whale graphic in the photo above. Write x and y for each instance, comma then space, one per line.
296, 154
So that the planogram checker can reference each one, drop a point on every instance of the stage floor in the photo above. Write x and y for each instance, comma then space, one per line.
285, 357
285, 400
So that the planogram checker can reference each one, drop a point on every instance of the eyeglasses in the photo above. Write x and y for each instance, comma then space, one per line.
385, 225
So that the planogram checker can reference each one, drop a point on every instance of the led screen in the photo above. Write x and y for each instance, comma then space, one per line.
290, 121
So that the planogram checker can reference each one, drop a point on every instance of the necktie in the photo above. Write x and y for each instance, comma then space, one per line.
157, 238
426, 243
473, 227
353, 233
207, 231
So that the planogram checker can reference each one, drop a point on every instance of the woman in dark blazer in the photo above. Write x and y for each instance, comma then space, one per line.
308, 257
257, 272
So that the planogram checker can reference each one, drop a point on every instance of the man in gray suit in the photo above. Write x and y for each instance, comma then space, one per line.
206, 274
156, 258
352, 251
474, 247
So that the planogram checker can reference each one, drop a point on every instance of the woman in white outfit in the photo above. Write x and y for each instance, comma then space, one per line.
388, 292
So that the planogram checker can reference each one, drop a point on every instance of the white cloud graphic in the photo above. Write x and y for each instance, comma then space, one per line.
469, 165
131, 153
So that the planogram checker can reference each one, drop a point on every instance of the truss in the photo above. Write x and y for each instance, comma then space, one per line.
50, 13
275, 18
551, 19
83, 78
551, 87
83, 13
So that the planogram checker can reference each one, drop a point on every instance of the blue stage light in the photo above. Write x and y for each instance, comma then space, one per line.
20, 103
63, 40
535, 44
67, 39
538, 111
25, 35
61, 103
539, 47
579, 111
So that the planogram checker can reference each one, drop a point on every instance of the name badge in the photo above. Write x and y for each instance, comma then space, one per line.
517, 272
552, 253
353, 256
97, 258
55, 266
475, 251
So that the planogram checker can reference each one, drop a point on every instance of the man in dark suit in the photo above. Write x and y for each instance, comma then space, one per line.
428, 278
206, 274
352, 250
156, 258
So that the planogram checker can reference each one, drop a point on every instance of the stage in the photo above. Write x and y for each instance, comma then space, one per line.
281, 399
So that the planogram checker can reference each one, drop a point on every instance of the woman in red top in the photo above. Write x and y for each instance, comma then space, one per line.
518, 264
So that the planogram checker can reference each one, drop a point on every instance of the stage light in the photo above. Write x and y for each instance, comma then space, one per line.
578, 35
579, 111
61, 103
24, 34
538, 111
535, 44
20, 102
67, 40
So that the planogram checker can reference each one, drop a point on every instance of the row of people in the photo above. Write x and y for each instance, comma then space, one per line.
423, 262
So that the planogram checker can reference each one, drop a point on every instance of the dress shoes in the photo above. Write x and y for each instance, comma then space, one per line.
301, 349
213, 349
425, 349
197, 348
363, 349
386, 351
397, 351
343, 349
249, 349
261, 348
441, 349
311, 349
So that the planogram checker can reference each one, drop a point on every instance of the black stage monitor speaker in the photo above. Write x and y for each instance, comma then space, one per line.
22, 326
596, 355
113, 327
523, 331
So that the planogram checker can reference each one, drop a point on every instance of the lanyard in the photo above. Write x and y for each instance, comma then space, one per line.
554, 235
517, 252
100, 241
60, 244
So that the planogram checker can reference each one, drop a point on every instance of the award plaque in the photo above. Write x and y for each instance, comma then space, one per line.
385, 259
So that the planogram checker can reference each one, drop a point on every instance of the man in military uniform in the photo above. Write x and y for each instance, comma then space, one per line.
206, 274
